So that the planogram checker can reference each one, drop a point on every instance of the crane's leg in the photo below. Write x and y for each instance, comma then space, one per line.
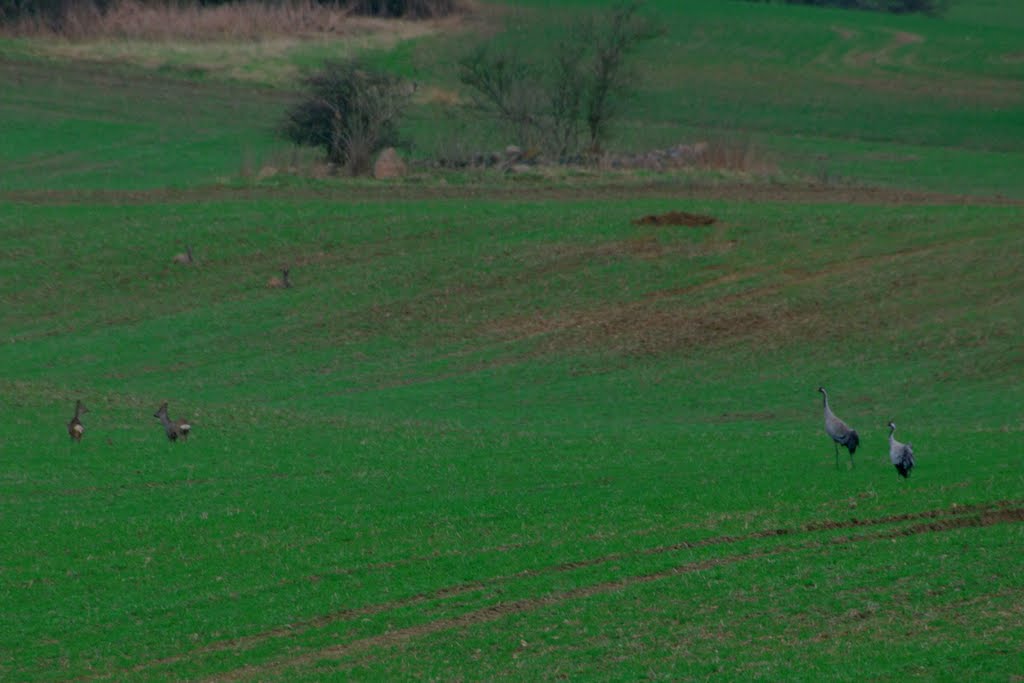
851, 461
837, 454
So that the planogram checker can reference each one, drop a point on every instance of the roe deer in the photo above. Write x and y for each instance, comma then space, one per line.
280, 282
173, 428
75, 428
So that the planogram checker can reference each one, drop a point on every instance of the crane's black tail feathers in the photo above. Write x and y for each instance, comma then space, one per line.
851, 441
906, 461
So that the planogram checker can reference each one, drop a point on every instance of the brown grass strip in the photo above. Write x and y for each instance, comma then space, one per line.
614, 188
241, 22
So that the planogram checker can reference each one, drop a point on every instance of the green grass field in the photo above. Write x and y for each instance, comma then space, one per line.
497, 430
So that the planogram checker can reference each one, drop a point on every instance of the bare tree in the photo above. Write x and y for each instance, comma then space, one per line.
577, 86
622, 30
350, 111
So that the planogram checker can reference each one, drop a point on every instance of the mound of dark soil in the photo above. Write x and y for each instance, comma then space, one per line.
676, 218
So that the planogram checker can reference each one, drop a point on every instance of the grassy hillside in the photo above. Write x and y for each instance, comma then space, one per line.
497, 429
827, 95
467, 406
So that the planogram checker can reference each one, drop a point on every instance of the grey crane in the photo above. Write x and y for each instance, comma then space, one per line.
901, 455
839, 431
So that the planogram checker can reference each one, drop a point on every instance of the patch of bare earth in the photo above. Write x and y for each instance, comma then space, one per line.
646, 328
665, 321
845, 33
676, 218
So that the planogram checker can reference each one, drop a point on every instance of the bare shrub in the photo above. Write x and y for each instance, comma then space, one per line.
565, 100
349, 111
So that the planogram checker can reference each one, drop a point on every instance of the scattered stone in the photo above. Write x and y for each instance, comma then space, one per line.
677, 156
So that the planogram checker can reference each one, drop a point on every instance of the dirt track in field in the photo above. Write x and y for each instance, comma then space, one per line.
615, 189
802, 538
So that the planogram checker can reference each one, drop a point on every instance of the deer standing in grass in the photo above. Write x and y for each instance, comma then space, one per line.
280, 282
173, 428
184, 259
75, 428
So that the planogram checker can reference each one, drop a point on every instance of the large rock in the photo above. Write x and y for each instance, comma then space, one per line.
389, 165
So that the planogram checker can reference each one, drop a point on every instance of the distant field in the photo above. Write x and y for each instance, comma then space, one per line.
826, 95
497, 429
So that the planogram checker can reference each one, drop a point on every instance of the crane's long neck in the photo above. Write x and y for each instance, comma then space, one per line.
78, 409
892, 432
164, 420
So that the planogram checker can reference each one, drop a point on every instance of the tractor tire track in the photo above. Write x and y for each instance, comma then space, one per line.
955, 517
990, 517
476, 617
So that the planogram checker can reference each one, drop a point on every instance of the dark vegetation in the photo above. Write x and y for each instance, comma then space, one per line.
560, 104
929, 7
418, 9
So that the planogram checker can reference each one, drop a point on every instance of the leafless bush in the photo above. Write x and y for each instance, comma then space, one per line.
350, 111
565, 100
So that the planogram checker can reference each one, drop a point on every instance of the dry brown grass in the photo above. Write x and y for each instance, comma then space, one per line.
132, 20
737, 157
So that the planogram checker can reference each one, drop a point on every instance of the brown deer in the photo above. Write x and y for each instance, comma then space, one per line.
184, 259
75, 428
280, 282
173, 428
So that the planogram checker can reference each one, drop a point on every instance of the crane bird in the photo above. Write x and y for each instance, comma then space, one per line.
900, 454
839, 431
